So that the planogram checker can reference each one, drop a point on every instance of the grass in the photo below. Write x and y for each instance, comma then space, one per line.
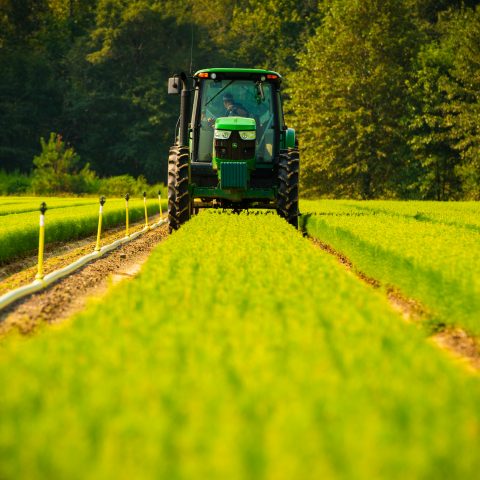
9, 205
429, 251
19, 232
459, 214
241, 351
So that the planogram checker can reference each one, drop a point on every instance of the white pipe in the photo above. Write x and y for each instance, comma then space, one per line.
52, 277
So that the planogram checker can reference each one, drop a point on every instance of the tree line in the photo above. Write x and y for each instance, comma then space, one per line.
384, 95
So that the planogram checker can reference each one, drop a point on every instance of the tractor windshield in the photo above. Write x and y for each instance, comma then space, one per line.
241, 98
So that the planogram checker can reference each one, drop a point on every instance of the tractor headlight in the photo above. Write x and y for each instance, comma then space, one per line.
222, 134
250, 135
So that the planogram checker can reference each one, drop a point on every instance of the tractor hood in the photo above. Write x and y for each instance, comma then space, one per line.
235, 123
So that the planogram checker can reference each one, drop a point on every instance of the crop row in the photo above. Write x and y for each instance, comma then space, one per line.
10, 205
464, 215
241, 351
19, 232
435, 262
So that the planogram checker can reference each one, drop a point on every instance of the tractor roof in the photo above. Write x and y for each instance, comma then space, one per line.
241, 72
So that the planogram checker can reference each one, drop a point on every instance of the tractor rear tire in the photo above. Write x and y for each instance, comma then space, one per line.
288, 175
178, 181
172, 180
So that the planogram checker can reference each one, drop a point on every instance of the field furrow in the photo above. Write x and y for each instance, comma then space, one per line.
241, 351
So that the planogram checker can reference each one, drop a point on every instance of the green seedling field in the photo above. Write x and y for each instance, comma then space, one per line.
460, 214
19, 231
9, 205
240, 351
430, 251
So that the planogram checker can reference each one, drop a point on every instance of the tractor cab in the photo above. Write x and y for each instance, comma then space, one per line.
235, 98
233, 149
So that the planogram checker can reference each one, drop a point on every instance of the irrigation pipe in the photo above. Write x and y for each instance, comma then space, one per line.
52, 277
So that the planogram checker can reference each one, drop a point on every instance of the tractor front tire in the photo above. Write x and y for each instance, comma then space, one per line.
288, 175
178, 194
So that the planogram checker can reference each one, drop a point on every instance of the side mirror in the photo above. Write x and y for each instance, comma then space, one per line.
174, 85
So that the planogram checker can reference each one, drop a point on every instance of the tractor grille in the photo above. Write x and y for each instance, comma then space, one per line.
234, 148
233, 175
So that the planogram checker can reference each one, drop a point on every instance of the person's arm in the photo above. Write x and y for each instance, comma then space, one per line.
238, 110
242, 112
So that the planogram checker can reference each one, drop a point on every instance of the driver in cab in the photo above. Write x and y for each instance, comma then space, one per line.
232, 109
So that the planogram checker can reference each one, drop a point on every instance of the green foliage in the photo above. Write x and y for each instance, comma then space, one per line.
384, 95
429, 10
122, 184
85, 182
462, 90
393, 110
56, 169
122, 111
284, 26
14, 183
19, 231
214, 364
443, 119
435, 159
348, 99
428, 250
35, 38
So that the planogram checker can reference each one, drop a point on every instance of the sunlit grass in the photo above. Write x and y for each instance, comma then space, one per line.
431, 250
241, 351
19, 231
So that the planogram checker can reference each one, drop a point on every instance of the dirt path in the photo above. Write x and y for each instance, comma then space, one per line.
457, 342
69, 295
22, 271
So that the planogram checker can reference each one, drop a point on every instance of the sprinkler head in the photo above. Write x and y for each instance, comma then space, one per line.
43, 208
127, 197
102, 200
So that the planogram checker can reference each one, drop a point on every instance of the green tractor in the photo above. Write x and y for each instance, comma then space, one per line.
232, 148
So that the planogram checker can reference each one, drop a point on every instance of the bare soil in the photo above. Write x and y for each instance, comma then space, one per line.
462, 346
69, 295
457, 342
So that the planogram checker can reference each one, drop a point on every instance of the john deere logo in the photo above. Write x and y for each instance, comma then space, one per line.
234, 145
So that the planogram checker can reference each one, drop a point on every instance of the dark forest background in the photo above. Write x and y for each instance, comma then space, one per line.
384, 94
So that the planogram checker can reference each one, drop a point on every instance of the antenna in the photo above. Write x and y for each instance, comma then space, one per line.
191, 50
